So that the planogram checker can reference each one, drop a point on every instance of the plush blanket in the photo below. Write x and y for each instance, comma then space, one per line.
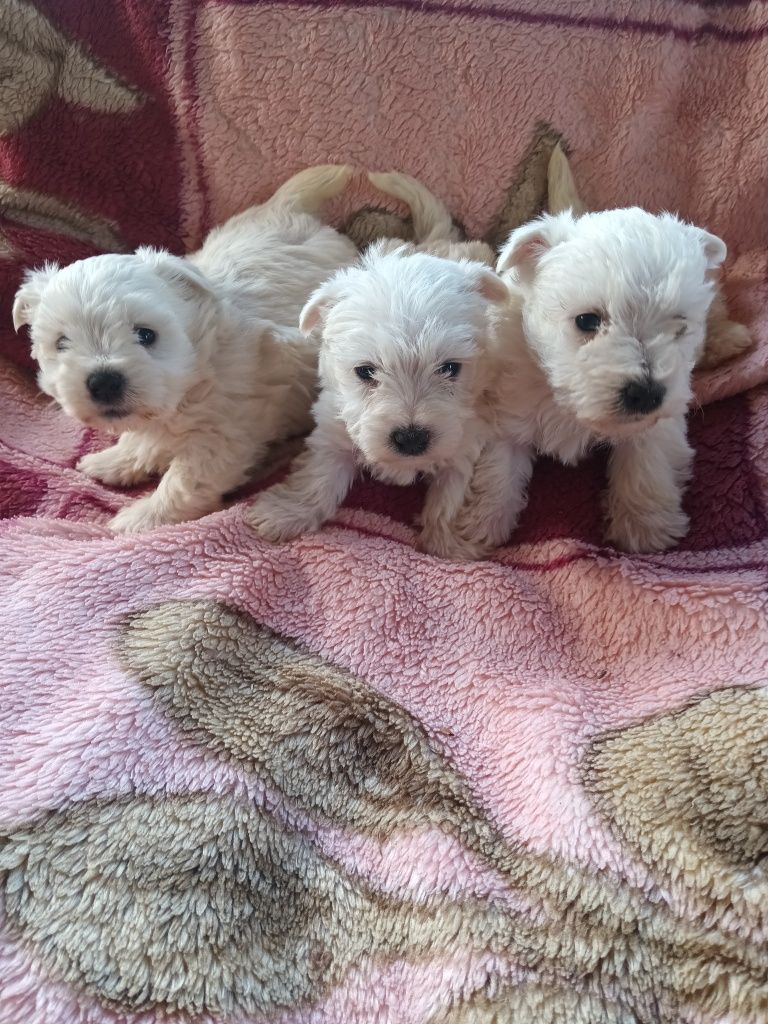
339, 781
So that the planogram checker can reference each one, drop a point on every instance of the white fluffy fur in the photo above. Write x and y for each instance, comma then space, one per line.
651, 279
725, 338
228, 373
405, 314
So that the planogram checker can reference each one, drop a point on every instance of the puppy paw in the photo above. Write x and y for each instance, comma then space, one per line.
143, 514
654, 531
442, 542
110, 469
483, 533
275, 520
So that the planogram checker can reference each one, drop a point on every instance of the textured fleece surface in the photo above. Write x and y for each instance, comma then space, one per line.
339, 781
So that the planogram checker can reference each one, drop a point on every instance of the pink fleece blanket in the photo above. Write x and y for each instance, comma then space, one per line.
339, 781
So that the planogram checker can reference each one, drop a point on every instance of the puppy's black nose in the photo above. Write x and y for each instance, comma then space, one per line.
641, 397
106, 386
411, 440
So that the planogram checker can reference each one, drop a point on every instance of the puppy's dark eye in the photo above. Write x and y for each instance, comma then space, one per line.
61, 343
146, 336
588, 323
366, 372
450, 370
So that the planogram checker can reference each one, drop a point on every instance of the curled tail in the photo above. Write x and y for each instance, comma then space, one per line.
431, 220
308, 190
561, 188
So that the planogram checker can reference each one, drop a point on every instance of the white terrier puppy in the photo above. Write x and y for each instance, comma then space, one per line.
403, 377
606, 321
725, 338
196, 362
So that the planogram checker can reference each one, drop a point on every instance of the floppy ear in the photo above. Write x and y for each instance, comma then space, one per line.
491, 286
177, 271
528, 243
28, 296
318, 304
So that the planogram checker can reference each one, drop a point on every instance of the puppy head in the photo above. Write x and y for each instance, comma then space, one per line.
614, 308
116, 337
403, 336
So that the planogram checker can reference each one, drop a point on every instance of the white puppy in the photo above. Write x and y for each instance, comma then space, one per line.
605, 324
403, 376
196, 362
725, 338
